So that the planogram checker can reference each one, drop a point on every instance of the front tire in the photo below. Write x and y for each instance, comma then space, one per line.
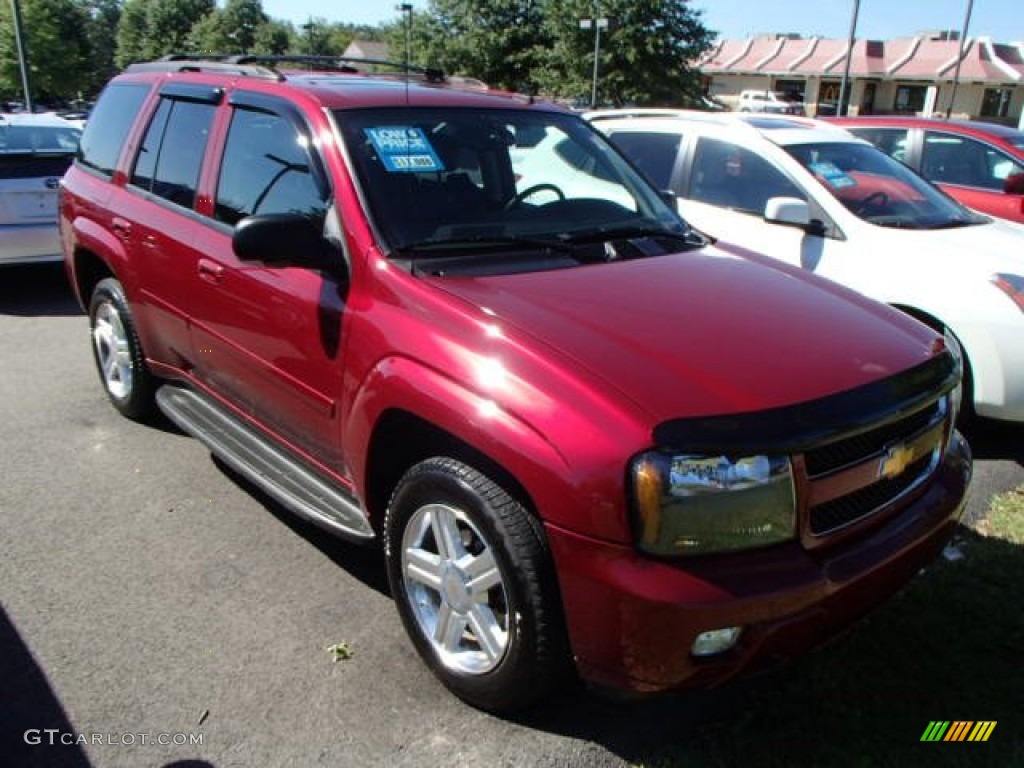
474, 585
118, 352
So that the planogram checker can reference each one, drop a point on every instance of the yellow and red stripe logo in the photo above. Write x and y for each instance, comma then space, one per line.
959, 730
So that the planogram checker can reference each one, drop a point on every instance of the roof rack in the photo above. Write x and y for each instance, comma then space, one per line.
205, 62
249, 65
341, 63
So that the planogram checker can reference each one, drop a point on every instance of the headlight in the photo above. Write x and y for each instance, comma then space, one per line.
685, 504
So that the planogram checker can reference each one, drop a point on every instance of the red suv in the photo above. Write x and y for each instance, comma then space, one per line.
979, 164
460, 324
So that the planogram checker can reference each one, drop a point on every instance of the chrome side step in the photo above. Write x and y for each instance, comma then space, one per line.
272, 468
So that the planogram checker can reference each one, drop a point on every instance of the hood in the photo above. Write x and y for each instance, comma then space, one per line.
702, 333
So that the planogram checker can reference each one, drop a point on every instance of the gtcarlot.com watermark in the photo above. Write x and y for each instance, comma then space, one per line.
55, 737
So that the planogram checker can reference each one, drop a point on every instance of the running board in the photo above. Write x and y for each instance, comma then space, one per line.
270, 467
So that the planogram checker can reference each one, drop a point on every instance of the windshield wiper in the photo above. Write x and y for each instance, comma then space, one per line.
491, 241
957, 223
691, 237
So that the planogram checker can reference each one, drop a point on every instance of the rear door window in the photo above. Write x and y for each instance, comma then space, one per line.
171, 154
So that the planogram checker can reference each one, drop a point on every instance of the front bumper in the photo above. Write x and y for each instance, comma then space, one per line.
23, 243
632, 620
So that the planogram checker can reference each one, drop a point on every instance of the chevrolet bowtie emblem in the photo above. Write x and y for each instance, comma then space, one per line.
897, 458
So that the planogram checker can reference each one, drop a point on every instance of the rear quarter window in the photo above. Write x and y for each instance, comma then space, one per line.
108, 125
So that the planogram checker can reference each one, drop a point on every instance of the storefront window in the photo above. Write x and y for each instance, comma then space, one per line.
910, 98
996, 102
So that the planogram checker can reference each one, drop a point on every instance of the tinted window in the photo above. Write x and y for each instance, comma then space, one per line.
266, 169
653, 153
728, 175
40, 139
171, 154
145, 162
108, 126
892, 141
954, 159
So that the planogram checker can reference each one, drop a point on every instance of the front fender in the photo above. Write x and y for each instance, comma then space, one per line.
564, 492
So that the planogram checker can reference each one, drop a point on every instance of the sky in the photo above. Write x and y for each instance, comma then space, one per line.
1002, 20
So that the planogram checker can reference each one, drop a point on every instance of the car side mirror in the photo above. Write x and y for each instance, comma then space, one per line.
791, 211
281, 240
1014, 184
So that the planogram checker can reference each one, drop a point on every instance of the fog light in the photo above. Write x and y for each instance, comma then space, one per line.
715, 641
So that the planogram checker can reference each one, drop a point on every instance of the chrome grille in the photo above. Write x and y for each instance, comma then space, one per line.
841, 453
872, 470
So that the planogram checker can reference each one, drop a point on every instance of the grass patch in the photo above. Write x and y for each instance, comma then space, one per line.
948, 647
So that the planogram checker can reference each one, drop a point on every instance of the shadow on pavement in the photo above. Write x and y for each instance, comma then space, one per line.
28, 707
365, 563
34, 290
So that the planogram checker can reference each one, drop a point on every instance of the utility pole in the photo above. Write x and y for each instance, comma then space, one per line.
598, 25
840, 109
960, 57
19, 36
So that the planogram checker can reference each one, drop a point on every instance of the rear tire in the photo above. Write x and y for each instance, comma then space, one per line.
118, 352
474, 584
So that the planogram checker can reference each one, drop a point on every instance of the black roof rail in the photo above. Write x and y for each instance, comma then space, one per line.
205, 62
341, 63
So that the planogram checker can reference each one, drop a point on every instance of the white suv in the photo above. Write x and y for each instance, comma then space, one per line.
773, 102
813, 195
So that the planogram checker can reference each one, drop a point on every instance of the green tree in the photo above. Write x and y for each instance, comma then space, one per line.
151, 28
645, 56
502, 42
273, 37
58, 50
169, 23
133, 33
101, 30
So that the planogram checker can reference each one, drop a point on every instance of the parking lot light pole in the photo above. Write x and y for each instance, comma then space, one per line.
19, 35
406, 10
598, 25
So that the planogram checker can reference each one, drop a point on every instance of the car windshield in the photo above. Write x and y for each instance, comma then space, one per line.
39, 139
881, 190
450, 180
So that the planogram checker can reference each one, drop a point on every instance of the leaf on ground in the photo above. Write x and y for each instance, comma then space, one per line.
340, 652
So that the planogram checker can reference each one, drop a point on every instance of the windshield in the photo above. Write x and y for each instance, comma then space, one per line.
880, 190
39, 139
439, 179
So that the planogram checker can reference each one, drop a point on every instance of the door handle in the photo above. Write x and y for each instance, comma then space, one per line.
210, 271
122, 228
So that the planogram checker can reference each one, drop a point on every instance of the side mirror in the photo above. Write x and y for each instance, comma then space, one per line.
1014, 184
791, 211
281, 240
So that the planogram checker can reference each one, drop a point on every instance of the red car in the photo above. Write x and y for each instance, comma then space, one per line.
979, 164
581, 434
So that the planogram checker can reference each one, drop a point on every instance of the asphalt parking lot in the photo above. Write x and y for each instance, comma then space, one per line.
150, 595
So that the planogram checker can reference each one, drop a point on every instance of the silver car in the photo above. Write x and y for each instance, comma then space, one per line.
35, 151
